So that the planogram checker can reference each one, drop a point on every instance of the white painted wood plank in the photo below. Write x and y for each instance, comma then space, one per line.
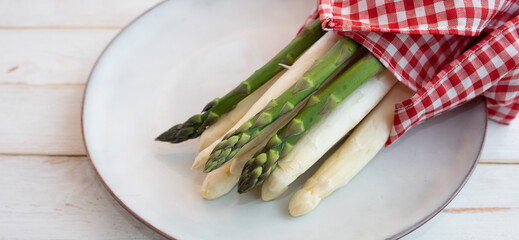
502, 143
60, 198
116, 13
40, 119
50, 56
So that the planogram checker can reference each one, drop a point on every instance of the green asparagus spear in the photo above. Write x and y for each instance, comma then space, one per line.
257, 169
195, 125
309, 82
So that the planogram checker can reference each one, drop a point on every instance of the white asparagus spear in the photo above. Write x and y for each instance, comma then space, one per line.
361, 146
220, 181
325, 133
296, 71
229, 119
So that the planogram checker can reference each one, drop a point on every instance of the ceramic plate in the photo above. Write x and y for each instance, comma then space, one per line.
178, 56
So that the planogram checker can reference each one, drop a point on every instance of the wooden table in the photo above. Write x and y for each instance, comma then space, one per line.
48, 188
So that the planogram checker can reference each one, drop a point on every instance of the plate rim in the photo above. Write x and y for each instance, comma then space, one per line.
462, 184
119, 201
149, 225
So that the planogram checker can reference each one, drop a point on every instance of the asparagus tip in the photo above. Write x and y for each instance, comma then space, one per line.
164, 137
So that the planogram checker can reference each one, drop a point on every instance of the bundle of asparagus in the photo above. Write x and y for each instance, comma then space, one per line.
197, 124
278, 123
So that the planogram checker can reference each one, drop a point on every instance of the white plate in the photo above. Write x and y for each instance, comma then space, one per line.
175, 58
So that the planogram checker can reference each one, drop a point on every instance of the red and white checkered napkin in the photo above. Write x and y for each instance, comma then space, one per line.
448, 51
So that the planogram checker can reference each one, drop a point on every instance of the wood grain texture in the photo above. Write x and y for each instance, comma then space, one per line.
57, 57
502, 143
55, 13
41, 119
60, 198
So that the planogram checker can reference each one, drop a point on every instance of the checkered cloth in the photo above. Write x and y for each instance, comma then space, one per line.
448, 51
